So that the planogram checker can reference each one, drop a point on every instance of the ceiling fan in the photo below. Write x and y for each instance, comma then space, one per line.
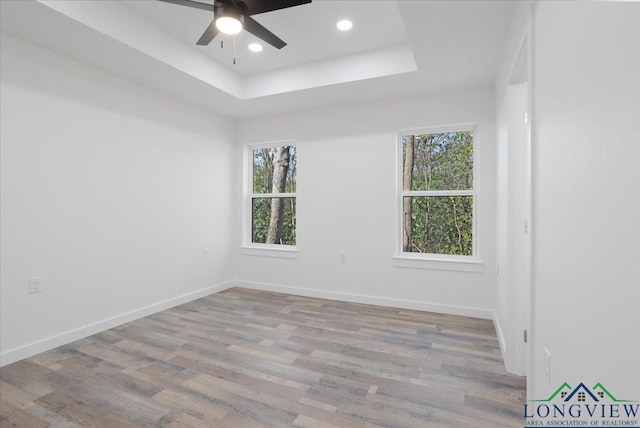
232, 16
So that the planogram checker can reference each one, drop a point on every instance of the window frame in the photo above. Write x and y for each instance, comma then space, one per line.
256, 248
470, 263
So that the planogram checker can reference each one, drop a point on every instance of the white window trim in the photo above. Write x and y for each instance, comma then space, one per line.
404, 259
266, 250
256, 248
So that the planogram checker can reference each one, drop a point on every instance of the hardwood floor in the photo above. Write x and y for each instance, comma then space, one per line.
246, 358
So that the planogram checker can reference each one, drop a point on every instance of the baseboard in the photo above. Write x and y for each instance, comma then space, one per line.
500, 334
43, 345
34, 348
370, 300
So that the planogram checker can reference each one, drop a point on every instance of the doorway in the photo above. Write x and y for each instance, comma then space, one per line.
519, 215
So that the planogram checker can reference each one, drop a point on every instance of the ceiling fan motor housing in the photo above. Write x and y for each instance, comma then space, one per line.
228, 16
228, 10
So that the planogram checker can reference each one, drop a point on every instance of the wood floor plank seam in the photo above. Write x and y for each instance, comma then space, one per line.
253, 359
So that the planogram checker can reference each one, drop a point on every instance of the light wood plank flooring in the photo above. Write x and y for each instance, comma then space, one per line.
246, 358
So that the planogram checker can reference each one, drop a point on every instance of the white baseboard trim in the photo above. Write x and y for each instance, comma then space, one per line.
500, 334
370, 300
34, 348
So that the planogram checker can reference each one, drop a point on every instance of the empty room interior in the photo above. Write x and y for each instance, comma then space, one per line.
252, 213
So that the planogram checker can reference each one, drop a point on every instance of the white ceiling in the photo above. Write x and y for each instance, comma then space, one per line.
429, 46
309, 31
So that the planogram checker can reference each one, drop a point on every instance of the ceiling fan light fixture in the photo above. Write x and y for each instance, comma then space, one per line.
255, 47
344, 25
229, 21
228, 25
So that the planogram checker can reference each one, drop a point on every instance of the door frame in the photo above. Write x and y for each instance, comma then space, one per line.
519, 293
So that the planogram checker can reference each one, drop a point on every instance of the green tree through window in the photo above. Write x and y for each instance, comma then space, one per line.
437, 193
273, 200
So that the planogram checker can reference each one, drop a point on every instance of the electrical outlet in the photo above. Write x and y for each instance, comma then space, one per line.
547, 366
205, 253
342, 257
35, 284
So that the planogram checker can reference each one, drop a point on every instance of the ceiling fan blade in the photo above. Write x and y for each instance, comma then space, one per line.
262, 6
209, 34
252, 26
191, 3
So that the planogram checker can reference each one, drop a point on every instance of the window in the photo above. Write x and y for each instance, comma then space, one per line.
437, 193
272, 195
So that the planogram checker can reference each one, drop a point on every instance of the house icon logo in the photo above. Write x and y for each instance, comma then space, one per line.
582, 406
582, 393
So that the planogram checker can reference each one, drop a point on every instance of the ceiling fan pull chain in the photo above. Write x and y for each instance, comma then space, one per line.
234, 50
221, 44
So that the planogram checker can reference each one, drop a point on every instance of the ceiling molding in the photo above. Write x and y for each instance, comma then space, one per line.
443, 46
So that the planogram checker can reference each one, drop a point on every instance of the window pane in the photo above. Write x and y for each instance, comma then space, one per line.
438, 225
274, 169
439, 161
273, 221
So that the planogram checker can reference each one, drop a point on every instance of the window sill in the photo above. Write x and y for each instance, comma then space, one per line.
270, 251
460, 265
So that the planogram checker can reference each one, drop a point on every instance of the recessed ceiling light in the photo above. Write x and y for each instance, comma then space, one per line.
255, 47
344, 25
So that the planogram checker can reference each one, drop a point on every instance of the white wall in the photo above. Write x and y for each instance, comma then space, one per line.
586, 172
347, 202
110, 191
